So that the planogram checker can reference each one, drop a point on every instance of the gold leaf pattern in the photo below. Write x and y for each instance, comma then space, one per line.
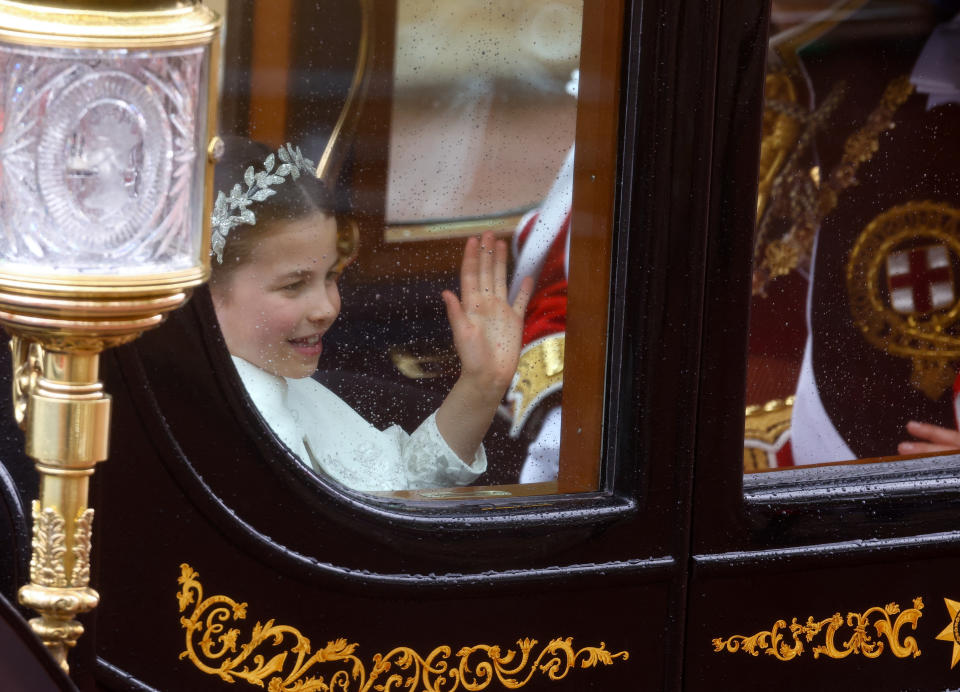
294, 669
786, 643
82, 532
49, 546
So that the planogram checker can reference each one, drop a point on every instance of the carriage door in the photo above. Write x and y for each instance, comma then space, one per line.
252, 550
824, 544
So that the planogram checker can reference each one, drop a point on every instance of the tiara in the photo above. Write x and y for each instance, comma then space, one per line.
229, 211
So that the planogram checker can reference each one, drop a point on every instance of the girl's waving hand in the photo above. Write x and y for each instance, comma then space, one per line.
487, 333
487, 329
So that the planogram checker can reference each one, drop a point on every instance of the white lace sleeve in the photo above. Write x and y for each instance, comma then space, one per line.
328, 436
430, 463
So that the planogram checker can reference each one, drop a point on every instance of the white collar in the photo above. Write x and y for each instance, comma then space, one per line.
937, 70
269, 393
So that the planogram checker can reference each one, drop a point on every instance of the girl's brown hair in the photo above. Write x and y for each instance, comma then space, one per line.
294, 199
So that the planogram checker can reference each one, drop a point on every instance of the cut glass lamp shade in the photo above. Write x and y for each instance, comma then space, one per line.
101, 160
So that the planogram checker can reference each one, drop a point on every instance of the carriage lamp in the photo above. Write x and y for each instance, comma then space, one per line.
106, 116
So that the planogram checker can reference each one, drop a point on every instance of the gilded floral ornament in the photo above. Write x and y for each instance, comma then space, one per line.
82, 535
49, 546
281, 659
785, 642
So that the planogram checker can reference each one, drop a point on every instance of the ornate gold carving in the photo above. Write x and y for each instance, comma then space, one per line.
539, 374
951, 633
50, 593
931, 340
49, 547
766, 430
786, 643
82, 534
471, 668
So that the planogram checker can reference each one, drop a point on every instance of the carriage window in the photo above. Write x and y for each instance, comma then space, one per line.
855, 320
410, 206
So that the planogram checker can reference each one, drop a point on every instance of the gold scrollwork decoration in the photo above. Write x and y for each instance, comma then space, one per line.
785, 642
212, 646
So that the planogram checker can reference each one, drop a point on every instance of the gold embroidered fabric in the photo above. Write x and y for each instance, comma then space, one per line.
929, 336
766, 431
795, 197
539, 374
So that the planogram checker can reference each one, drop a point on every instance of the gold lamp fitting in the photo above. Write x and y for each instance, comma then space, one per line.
127, 258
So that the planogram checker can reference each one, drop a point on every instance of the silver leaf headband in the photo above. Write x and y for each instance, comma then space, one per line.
259, 187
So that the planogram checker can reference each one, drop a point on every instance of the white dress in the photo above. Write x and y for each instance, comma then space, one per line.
333, 440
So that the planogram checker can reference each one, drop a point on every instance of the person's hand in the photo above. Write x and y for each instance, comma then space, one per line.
487, 329
934, 439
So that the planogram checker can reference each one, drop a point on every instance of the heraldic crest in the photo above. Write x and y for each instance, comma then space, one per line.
902, 284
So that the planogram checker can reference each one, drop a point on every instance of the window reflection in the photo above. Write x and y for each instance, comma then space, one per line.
481, 120
855, 322
436, 122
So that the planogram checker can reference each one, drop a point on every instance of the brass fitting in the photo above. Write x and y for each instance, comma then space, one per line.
66, 416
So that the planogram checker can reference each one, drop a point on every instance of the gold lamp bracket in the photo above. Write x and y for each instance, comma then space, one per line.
88, 289
27, 357
60, 404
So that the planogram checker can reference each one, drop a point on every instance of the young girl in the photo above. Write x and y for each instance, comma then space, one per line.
277, 255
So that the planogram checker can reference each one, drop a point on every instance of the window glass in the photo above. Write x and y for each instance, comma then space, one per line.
855, 320
398, 219
493, 84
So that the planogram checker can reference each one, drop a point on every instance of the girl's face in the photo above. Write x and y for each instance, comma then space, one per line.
275, 308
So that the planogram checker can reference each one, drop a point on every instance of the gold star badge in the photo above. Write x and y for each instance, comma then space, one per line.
951, 633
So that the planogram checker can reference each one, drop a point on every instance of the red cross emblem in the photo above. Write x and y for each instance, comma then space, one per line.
920, 279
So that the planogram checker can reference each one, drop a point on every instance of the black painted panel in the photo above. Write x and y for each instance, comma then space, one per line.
750, 598
194, 476
24, 663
